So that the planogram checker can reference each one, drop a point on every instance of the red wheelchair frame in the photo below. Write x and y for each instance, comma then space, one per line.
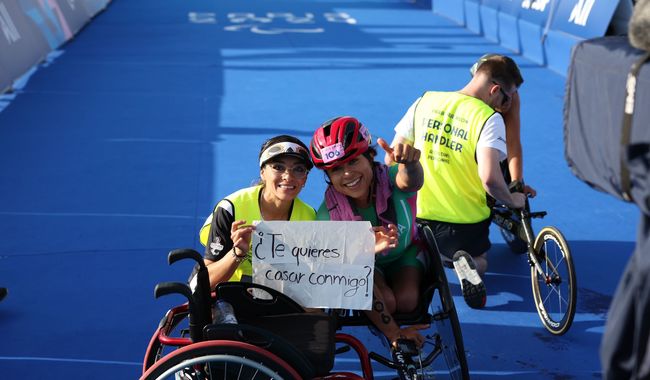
268, 338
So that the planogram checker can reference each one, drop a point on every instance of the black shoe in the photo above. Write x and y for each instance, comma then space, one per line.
470, 281
3, 293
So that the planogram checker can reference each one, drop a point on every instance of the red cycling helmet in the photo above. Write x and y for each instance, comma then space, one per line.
337, 141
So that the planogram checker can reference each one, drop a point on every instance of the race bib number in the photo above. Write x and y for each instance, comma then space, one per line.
332, 152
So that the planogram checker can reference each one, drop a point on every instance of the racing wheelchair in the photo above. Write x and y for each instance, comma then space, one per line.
552, 273
275, 338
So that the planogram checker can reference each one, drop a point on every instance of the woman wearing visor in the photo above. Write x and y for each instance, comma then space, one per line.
226, 234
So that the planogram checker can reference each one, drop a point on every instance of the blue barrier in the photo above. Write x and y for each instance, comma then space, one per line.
490, 22
473, 16
573, 22
454, 10
584, 18
542, 30
557, 46
530, 36
509, 31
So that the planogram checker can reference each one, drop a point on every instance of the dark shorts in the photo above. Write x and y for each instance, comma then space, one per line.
411, 257
452, 237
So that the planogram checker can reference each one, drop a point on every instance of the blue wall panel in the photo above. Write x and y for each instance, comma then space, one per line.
490, 23
473, 16
530, 37
557, 46
584, 18
521, 25
509, 31
451, 9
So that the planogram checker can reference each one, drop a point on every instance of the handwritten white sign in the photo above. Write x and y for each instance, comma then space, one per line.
319, 264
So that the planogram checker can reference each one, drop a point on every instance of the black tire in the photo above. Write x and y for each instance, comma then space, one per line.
555, 298
445, 318
453, 348
514, 242
221, 359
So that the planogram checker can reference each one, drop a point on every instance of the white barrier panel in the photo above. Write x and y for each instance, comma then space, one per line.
318, 264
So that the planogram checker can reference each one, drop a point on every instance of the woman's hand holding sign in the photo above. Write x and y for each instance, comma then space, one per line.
240, 234
410, 176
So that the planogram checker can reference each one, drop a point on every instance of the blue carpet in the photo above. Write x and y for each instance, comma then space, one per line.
116, 152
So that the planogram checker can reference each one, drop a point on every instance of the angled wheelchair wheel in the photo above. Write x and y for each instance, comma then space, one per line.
555, 289
448, 339
221, 359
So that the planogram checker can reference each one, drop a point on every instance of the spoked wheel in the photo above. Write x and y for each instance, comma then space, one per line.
221, 359
556, 288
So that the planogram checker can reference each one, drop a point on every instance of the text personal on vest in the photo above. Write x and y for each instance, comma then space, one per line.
443, 134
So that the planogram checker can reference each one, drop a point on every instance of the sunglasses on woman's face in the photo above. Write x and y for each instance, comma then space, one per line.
298, 171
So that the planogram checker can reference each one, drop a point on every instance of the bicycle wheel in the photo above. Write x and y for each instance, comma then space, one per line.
221, 359
556, 288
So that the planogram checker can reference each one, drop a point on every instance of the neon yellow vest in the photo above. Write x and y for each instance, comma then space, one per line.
246, 207
447, 127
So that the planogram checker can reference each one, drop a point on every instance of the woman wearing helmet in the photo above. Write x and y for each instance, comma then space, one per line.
226, 234
362, 189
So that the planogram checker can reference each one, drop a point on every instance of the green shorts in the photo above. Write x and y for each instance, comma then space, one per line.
391, 264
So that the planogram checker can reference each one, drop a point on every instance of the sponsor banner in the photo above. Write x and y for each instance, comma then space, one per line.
584, 18
30, 29
48, 19
510, 7
93, 6
536, 11
21, 45
74, 13
5, 81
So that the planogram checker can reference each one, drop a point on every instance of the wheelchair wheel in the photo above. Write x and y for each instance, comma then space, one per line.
221, 359
514, 242
556, 288
169, 322
451, 344
444, 316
